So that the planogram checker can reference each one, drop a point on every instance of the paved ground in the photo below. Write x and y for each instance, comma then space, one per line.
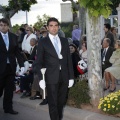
30, 110
70, 113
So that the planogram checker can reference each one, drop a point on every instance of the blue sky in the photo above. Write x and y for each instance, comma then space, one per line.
48, 7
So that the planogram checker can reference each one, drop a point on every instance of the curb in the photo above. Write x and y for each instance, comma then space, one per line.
69, 112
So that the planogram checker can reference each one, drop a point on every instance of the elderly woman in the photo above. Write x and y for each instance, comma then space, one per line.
26, 41
112, 73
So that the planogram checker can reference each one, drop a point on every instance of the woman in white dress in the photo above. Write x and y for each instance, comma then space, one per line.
112, 73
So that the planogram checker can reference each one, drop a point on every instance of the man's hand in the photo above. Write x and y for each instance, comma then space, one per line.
42, 84
71, 82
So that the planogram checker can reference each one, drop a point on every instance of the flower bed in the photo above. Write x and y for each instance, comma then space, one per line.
111, 103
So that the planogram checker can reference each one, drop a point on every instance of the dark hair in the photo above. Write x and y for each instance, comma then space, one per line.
25, 24
4, 21
108, 40
22, 29
73, 45
85, 44
52, 19
107, 25
112, 28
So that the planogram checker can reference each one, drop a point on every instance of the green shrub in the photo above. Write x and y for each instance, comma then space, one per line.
79, 93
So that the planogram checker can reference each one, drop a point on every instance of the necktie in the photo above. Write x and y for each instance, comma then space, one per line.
31, 50
103, 54
56, 45
6, 41
7, 44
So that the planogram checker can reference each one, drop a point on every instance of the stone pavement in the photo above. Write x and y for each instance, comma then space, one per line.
69, 112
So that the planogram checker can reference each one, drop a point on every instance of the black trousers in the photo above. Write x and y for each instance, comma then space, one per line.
7, 85
25, 82
57, 94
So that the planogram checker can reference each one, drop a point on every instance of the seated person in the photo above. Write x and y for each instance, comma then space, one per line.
75, 58
83, 51
33, 42
112, 73
25, 82
106, 53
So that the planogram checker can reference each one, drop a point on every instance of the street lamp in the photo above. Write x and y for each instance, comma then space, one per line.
26, 17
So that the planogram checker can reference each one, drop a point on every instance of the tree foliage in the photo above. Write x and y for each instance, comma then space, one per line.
41, 21
21, 4
97, 7
15, 28
14, 6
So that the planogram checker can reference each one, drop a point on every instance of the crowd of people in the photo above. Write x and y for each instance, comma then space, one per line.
36, 49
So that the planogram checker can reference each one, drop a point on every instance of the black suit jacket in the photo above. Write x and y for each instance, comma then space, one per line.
107, 57
32, 56
111, 37
47, 57
12, 53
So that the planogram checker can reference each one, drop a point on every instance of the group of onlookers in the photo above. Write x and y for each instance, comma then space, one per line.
28, 39
110, 54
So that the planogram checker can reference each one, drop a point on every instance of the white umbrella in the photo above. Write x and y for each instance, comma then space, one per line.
42, 82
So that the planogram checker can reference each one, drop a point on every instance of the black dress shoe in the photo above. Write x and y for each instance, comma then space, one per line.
44, 102
35, 97
11, 112
106, 88
25, 94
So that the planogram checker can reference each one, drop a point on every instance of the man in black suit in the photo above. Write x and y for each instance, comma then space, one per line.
9, 51
108, 34
33, 42
106, 53
59, 71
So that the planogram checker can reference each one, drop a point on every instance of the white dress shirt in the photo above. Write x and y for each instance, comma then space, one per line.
58, 39
105, 53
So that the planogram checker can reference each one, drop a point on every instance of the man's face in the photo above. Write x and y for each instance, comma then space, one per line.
4, 27
53, 27
32, 43
105, 44
105, 29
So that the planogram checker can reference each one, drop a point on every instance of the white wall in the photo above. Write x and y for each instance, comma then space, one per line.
66, 12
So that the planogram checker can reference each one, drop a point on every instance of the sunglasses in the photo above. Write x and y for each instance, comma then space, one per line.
27, 30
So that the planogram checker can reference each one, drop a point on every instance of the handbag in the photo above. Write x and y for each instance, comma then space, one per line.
82, 66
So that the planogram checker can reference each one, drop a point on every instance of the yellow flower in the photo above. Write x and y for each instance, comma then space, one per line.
101, 99
99, 107
113, 106
104, 104
111, 98
104, 109
108, 101
108, 105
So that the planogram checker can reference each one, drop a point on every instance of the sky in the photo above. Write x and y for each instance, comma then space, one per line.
48, 7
